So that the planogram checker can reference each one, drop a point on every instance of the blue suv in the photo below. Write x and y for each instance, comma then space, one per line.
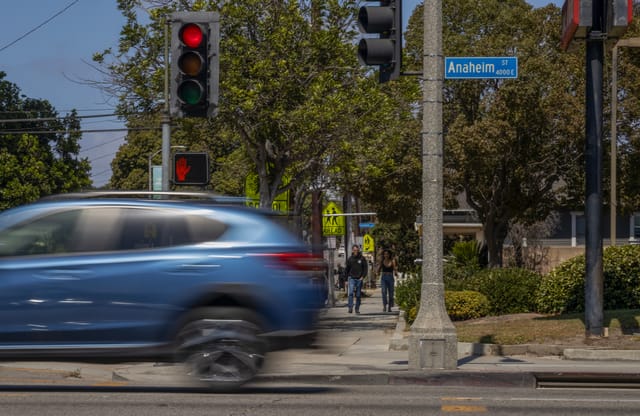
104, 277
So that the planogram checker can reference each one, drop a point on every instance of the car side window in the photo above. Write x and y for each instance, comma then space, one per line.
50, 234
154, 228
104, 228
204, 229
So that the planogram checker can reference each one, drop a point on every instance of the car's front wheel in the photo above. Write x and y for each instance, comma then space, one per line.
221, 346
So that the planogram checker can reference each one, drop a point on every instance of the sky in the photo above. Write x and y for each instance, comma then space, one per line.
46, 49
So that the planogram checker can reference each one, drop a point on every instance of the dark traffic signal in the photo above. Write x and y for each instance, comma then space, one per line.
190, 168
386, 50
194, 64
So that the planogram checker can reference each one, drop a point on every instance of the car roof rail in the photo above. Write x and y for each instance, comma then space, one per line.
159, 195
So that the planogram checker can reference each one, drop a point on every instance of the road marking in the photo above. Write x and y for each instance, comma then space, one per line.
462, 408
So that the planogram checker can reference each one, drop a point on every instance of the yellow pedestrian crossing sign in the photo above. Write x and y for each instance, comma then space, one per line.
368, 244
332, 224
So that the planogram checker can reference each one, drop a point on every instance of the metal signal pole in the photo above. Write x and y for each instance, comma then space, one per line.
433, 341
593, 169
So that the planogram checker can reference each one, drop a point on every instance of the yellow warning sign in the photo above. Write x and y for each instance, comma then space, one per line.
368, 245
332, 224
251, 187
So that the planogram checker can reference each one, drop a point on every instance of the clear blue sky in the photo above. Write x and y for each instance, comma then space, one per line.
50, 62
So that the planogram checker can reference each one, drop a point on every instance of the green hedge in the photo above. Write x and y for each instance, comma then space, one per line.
510, 290
466, 304
562, 290
460, 304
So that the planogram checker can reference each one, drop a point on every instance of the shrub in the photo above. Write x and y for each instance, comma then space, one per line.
407, 294
562, 290
466, 253
460, 305
510, 290
466, 304
461, 264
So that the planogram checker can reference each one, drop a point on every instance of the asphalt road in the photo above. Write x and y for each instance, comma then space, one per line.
328, 400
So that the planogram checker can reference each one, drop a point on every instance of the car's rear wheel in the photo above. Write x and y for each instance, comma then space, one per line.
221, 346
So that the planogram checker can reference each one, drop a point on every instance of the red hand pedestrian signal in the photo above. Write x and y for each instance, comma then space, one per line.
182, 168
191, 168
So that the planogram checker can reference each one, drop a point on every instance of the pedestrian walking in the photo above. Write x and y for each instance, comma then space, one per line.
388, 269
356, 271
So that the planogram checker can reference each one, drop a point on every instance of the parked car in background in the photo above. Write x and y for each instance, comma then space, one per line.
138, 276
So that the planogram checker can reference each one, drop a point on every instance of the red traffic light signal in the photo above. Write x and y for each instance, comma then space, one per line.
194, 64
191, 35
191, 168
191, 89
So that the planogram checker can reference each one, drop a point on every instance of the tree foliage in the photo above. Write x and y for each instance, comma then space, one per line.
628, 119
294, 102
513, 148
36, 164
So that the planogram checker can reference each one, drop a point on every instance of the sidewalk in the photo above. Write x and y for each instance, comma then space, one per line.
370, 348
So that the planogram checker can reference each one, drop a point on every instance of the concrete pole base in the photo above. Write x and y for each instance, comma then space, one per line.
432, 351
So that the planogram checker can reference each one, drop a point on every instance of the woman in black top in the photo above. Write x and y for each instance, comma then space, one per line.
388, 269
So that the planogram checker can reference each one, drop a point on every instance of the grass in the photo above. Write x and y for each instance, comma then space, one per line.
623, 326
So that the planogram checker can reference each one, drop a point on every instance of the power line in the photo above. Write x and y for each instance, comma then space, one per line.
62, 111
39, 26
100, 157
26, 120
83, 150
95, 175
7, 132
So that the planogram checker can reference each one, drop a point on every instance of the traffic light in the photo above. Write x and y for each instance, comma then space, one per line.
385, 51
194, 64
190, 168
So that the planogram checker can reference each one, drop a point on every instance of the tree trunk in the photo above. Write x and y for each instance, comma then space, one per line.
494, 234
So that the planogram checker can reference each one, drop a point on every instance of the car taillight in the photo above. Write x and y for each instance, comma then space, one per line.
297, 261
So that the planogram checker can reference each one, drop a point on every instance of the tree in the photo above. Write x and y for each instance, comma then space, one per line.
287, 78
628, 117
513, 148
37, 164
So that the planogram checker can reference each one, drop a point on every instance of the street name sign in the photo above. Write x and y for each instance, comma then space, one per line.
480, 67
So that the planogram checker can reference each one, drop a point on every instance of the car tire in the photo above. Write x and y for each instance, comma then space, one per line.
221, 346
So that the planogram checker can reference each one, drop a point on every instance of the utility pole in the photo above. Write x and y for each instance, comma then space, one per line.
166, 118
433, 341
593, 169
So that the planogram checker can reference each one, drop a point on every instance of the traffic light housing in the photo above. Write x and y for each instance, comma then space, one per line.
190, 168
386, 50
194, 64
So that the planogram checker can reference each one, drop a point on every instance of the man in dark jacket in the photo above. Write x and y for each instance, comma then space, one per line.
356, 271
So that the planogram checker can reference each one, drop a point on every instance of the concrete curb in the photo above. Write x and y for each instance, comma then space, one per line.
600, 355
432, 378
399, 342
